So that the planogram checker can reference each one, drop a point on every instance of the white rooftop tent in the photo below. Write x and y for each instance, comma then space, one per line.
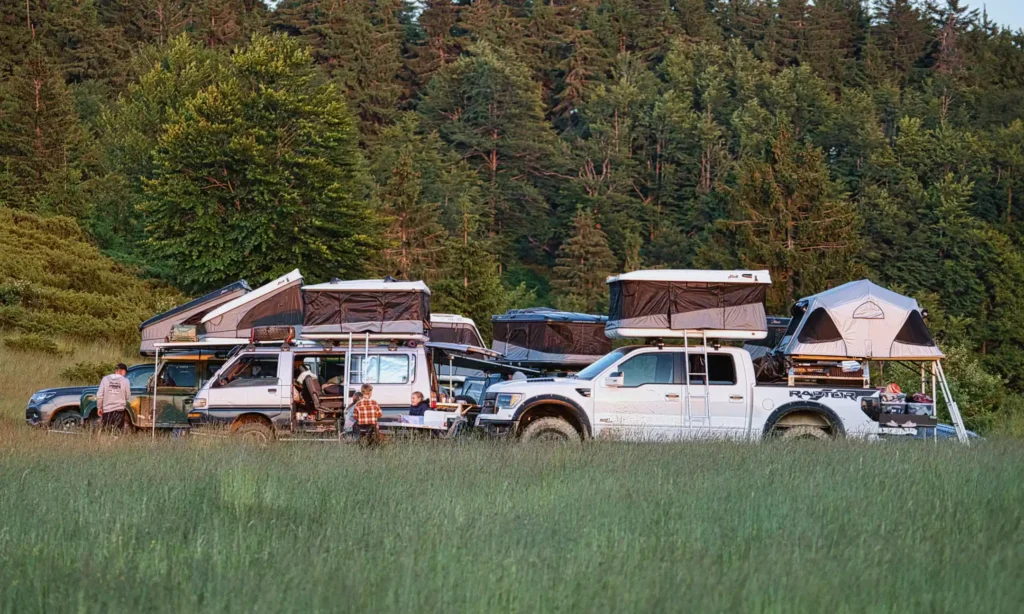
453, 328
278, 303
378, 306
859, 319
688, 303
156, 329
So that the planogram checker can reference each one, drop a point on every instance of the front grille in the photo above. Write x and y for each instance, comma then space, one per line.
488, 405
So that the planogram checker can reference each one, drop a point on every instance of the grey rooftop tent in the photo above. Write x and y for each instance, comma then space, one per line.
688, 303
859, 320
278, 303
379, 306
545, 336
156, 329
453, 328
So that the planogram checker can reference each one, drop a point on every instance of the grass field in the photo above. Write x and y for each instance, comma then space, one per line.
94, 523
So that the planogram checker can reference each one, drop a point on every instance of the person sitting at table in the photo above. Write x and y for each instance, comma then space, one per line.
419, 404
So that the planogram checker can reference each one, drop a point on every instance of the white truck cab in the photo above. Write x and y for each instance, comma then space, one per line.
657, 392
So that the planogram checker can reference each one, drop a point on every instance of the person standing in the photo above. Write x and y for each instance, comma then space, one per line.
112, 398
366, 413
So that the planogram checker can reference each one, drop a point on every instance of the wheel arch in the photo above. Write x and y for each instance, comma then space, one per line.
553, 405
72, 408
804, 413
251, 417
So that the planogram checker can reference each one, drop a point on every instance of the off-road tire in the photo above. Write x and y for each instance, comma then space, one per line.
550, 430
66, 421
804, 432
255, 431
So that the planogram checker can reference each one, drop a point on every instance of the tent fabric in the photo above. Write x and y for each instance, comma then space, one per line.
278, 303
667, 306
860, 320
156, 329
544, 335
445, 332
346, 308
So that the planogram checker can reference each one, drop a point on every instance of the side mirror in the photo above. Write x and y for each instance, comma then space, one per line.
614, 380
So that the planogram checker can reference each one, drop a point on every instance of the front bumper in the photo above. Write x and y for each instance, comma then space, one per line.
34, 416
495, 427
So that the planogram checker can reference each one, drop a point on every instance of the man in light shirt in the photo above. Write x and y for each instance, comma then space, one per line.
112, 398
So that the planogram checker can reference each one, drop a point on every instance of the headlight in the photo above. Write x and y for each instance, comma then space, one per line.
199, 403
508, 400
41, 397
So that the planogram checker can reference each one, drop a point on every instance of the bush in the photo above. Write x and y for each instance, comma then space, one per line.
83, 373
33, 343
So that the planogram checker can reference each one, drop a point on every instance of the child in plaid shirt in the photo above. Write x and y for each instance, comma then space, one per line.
366, 414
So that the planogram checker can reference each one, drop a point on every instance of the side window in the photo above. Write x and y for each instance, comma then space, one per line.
654, 368
721, 370
250, 371
211, 369
382, 369
139, 378
178, 375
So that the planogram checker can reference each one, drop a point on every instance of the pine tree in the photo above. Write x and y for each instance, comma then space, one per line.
790, 218
488, 109
261, 173
584, 263
42, 145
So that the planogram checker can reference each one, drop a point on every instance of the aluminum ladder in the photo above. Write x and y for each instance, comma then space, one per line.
954, 409
703, 419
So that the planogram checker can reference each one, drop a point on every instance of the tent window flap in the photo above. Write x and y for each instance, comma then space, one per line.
819, 328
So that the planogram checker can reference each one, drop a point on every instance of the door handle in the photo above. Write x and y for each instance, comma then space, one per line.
671, 396
736, 398
271, 389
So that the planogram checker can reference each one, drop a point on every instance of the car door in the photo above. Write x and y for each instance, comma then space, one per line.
251, 382
176, 383
726, 395
647, 403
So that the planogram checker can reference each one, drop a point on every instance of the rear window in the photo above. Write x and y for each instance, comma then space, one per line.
721, 369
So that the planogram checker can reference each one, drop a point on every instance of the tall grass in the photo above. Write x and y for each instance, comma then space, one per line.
95, 523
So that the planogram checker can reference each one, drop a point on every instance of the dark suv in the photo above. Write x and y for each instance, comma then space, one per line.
59, 407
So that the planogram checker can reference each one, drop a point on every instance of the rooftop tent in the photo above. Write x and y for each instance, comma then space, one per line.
156, 329
278, 303
382, 306
452, 328
681, 303
859, 320
546, 336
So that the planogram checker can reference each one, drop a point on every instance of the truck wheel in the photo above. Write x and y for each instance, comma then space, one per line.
804, 432
67, 421
550, 429
255, 432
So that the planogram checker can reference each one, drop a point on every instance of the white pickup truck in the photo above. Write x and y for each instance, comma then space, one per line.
644, 393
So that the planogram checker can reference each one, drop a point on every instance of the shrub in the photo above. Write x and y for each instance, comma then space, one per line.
33, 343
87, 372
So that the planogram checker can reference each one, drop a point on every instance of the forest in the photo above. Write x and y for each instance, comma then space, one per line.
515, 153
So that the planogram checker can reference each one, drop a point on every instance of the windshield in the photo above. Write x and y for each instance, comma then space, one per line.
595, 369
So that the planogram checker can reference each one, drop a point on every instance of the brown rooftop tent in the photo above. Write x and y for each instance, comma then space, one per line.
859, 319
278, 303
378, 306
546, 336
688, 303
156, 329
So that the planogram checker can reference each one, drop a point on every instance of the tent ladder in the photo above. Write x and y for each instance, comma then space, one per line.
703, 418
954, 409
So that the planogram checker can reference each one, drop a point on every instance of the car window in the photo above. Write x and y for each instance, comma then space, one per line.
178, 375
722, 369
211, 368
382, 369
654, 368
139, 378
253, 370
